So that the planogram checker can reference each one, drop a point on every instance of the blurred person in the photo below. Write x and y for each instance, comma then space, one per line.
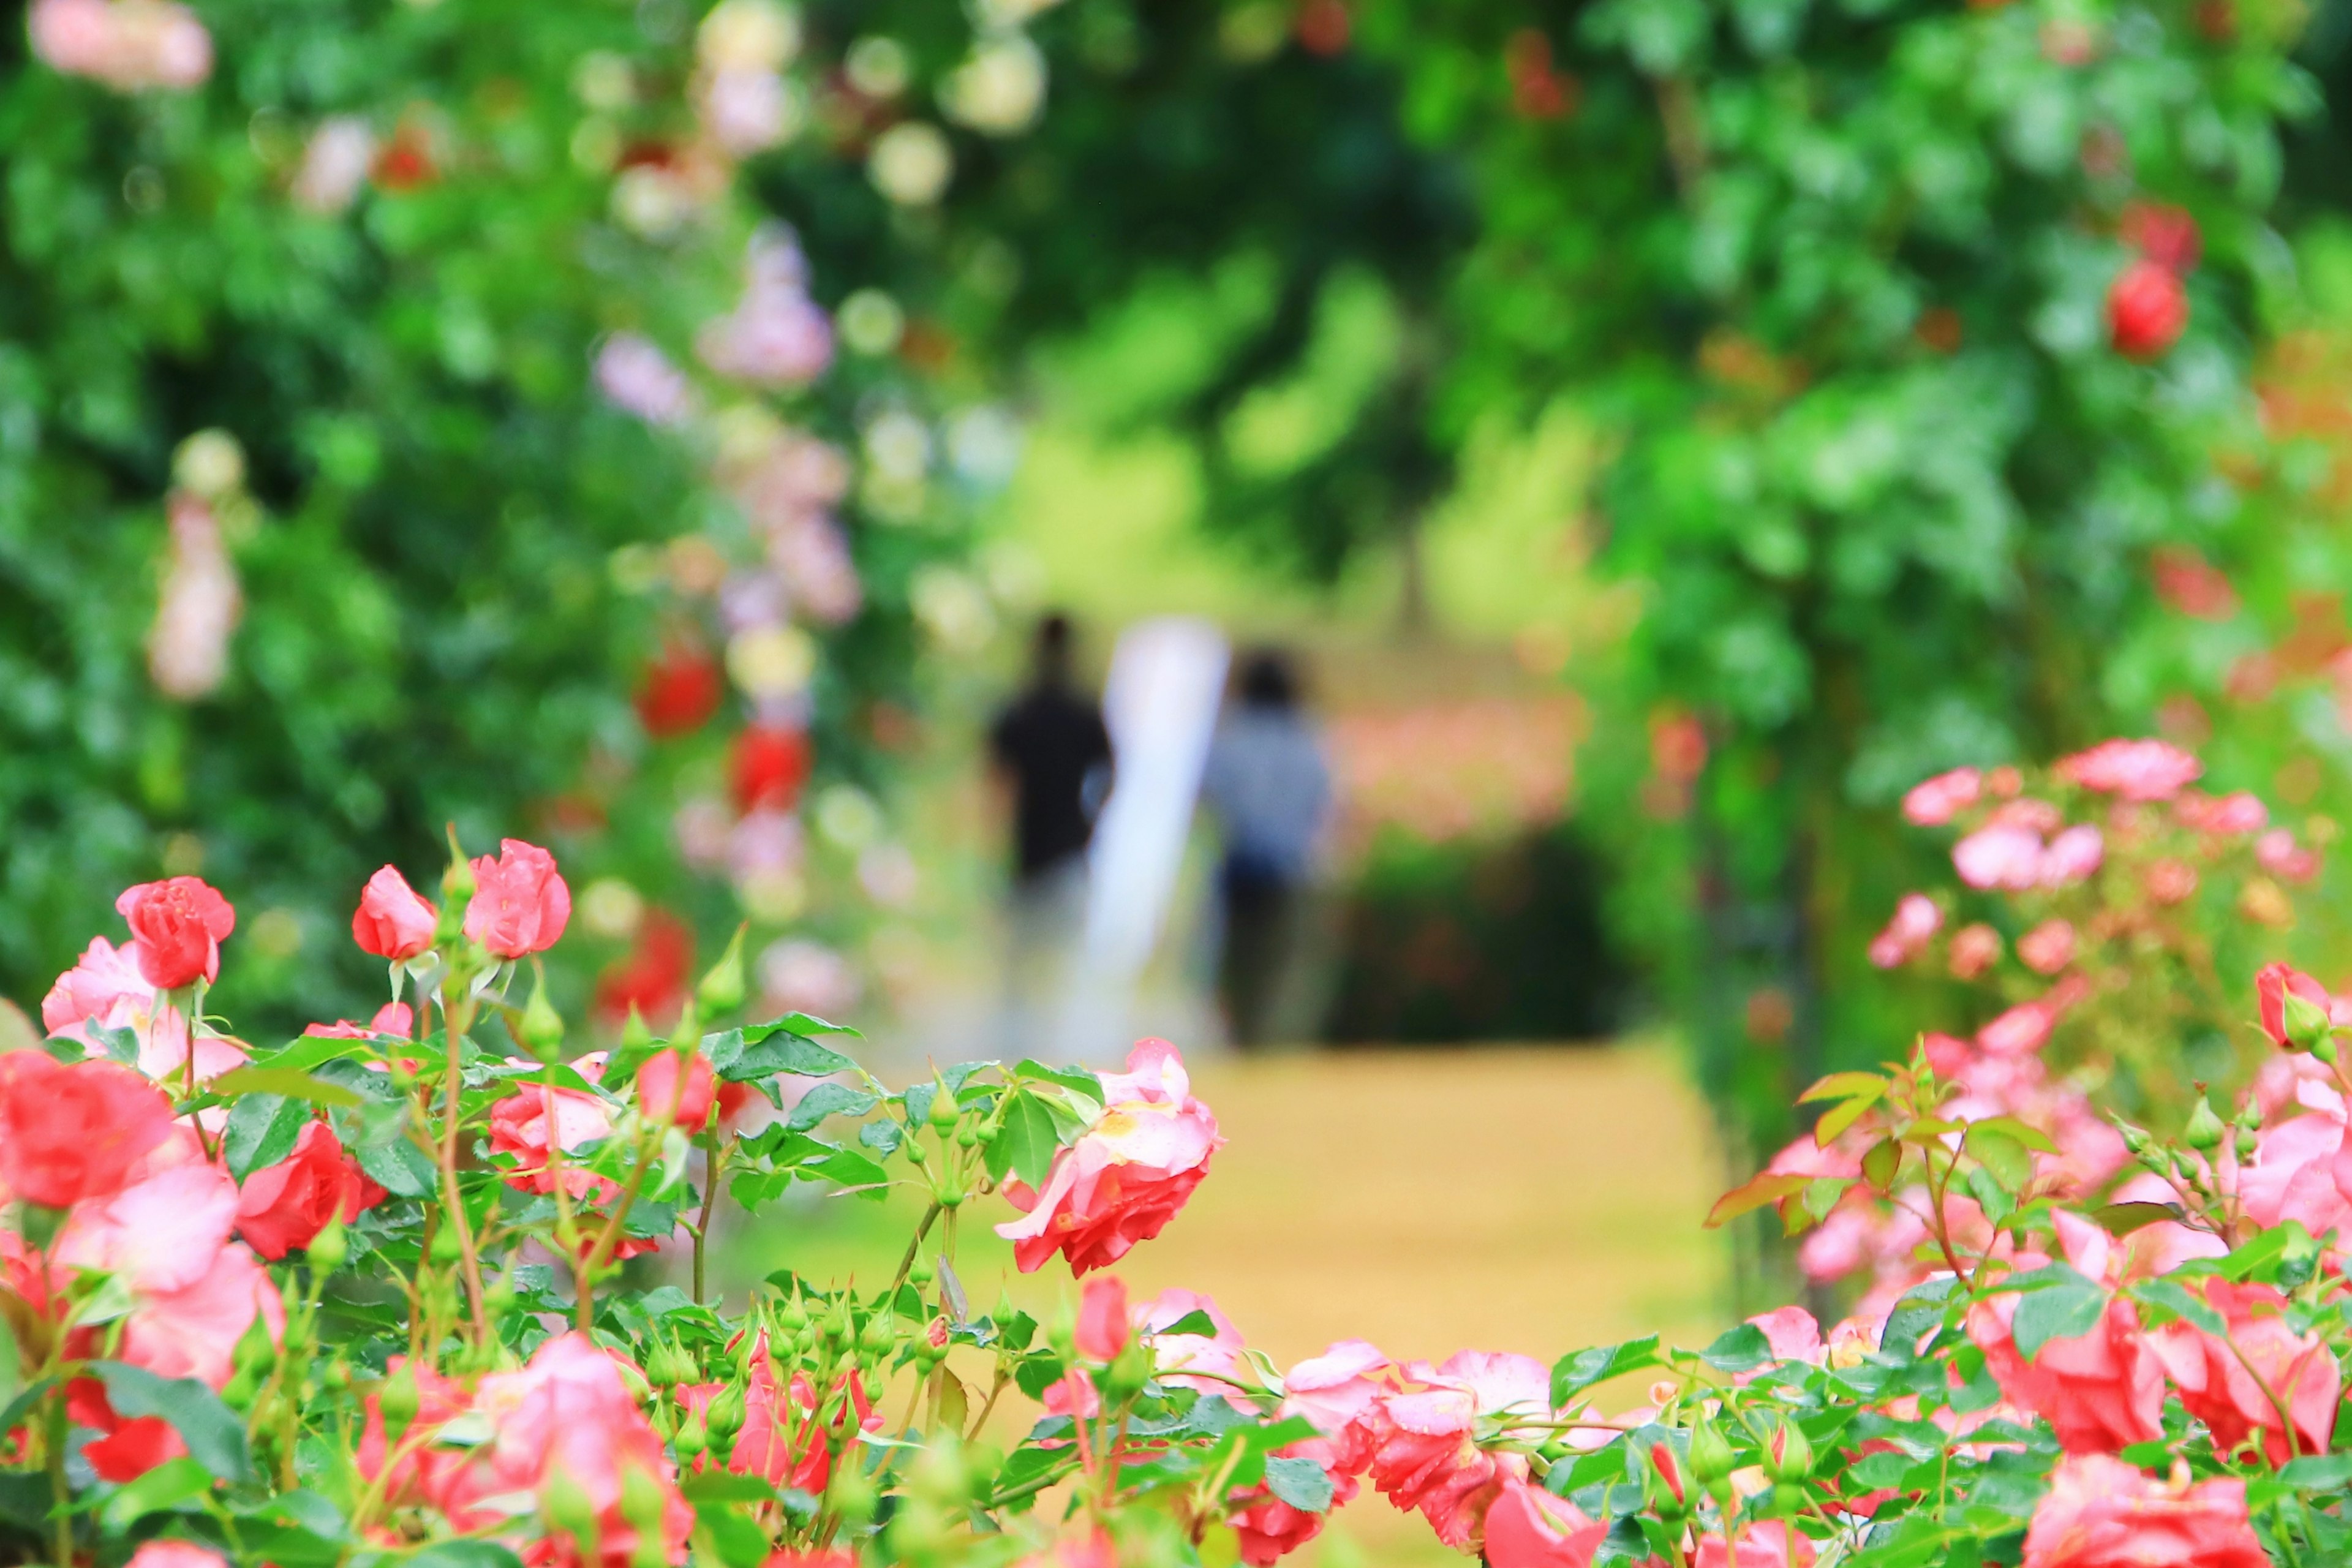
1051, 753
1269, 785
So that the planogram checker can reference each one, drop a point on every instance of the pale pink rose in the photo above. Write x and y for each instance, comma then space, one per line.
2048, 947
1128, 1175
126, 44
335, 164
1937, 800
2024, 1027
1794, 1335
2293, 1174
193, 1331
1340, 1391
1219, 1355
187, 648
2102, 1513
1915, 921
568, 1411
2277, 852
160, 1234
2100, 1391
2136, 769
1103, 1328
175, 1554
2229, 814
813, 555
636, 376
2004, 858
2071, 856
745, 111
107, 990
1976, 948
1767, 1544
2234, 1383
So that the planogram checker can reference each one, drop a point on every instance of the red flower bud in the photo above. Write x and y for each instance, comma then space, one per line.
2146, 309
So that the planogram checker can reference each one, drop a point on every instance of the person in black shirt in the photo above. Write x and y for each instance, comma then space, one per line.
1052, 752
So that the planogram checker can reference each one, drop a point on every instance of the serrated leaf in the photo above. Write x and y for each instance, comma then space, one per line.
261, 1131
1580, 1370
2056, 1312
1743, 1349
2024, 1132
400, 1169
1302, 1483
828, 1099
1025, 1143
1078, 1080
213, 1434
174, 1481
1844, 1114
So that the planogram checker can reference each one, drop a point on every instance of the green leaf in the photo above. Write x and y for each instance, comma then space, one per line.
2181, 1302
828, 1099
2004, 1156
1883, 1163
1754, 1194
289, 1081
463, 1554
2122, 1219
2319, 1472
1580, 1370
2024, 1132
1844, 1114
739, 1056
213, 1434
262, 1130
173, 1482
1302, 1483
724, 1486
740, 1543
2056, 1312
1743, 1349
400, 1169
1026, 1144
1869, 1087
1195, 1322
1078, 1080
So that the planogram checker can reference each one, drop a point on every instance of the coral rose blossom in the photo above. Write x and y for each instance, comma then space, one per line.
568, 1412
1216, 1354
73, 1133
536, 1120
1126, 1177
1940, 799
394, 921
2102, 1513
1428, 1457
284, 1205
2229, 1382
1341, 1391
1268, 1528
179, 923
421, 1473
2100, 1391
175, 1554
1529, 1527
2274, 984
779, 1441
1102, 1329
678, 1087
521, 902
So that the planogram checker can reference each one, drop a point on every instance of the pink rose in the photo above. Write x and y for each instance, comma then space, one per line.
1937, 800
392, 920
2024, 1028
392, 1018
2136, 769
2294, 1173
1102, 1328
1915, 921
2100, 1391
1126, 1177
539, 1119
2277, 852
2048, 947
162, 1233
68, 1133
1428, 1457
678, 1087
2071, 856
2102, 1513
521, 904
2008, 857
2236, 1383
1767, 1544
1976, 948
1340, 1391
284, 1205
1217, 1353
1529, 1527
175, 1554
2231, 813
1270, 1528
423, 1475
179, 923
568, 1412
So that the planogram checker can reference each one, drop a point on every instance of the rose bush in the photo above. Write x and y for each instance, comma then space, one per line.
357, 1300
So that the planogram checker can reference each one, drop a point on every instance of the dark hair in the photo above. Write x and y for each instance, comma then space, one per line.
1268, 680
1054, 636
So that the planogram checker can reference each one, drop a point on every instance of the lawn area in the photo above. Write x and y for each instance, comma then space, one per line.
1531, 1199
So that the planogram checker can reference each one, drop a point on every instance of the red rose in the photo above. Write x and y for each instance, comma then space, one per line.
125, 1450
2146, 309
680, 691
67, 1133
2165, 234
768, 765
283, 1207
394, 921
662, 1096
520, 904
179, 923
